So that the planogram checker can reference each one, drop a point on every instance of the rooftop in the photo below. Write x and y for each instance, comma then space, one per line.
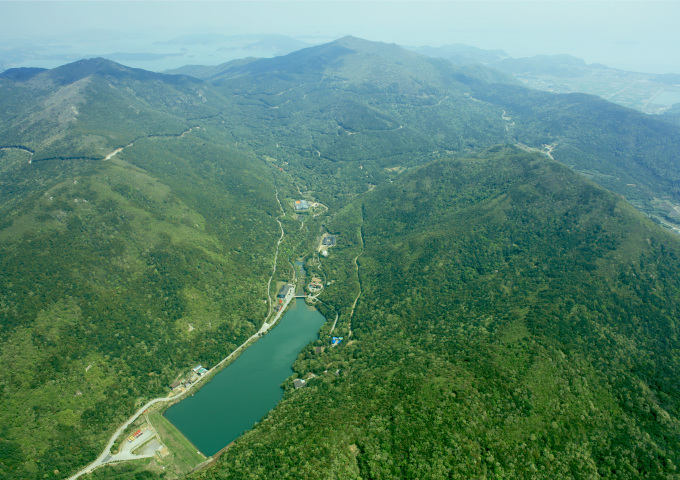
284, 290
299, 383
301, 205
329, 240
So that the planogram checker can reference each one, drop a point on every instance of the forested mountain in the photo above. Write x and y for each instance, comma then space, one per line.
347, 104
515, 321
138, 226
408, 109
117, 275
624, 151
88, 108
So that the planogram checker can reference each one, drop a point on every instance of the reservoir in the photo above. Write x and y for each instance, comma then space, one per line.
248, 388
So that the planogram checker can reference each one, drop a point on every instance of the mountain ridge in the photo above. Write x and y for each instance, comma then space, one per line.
352, 67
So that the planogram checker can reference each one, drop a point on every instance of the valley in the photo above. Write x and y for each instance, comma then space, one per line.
176, 463
272, 318
500, 285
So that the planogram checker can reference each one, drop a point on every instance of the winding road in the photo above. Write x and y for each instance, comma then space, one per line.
356, 264
276, 256
120, 149
106, 456
22, 149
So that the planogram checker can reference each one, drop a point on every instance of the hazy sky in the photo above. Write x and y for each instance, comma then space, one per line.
637, 35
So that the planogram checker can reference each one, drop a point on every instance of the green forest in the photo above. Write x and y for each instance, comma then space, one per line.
504, 313
115, 280
494, 337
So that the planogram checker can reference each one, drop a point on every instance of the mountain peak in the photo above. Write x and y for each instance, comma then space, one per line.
71, 72
350, 40
21, 74
349, 53
369, 46
93, 67
80, 69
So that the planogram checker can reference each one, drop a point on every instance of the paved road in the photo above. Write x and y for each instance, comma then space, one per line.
106, 456
276, 254
127, 448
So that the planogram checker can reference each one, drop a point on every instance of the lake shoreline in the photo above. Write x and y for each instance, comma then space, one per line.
228, 405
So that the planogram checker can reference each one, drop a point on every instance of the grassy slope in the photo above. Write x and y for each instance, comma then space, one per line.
184, 455
515, 321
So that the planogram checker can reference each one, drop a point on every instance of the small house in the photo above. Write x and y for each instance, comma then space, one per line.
316, 284
299, 383
286, 293
301, 205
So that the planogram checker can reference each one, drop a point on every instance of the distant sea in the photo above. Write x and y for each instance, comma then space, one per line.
667, 97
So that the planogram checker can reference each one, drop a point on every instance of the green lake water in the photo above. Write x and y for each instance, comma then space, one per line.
246, 390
